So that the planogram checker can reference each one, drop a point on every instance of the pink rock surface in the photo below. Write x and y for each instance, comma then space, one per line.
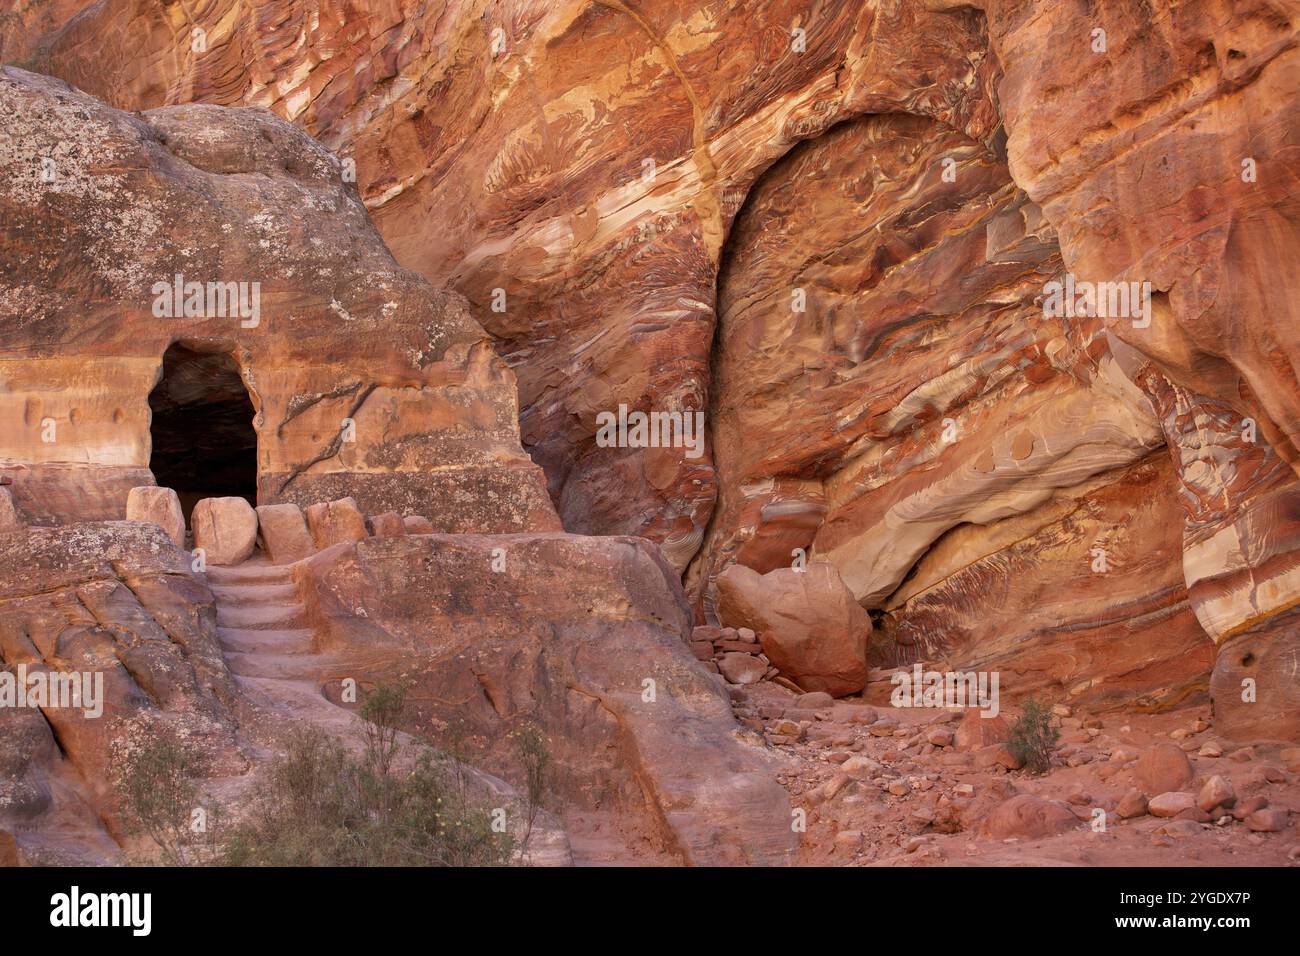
225, 528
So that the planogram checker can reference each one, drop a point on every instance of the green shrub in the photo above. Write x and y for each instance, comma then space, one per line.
322, 803
535, 758
1033, 736
156, 776
322, 806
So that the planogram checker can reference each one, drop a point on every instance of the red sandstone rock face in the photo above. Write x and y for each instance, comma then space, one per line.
508, 168
513, 170
586, 637
807, 621
837, 252
115, 599
364, 380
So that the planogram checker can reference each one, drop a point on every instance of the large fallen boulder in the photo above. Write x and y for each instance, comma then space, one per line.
810, 626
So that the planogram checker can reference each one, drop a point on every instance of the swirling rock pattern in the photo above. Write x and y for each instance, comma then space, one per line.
629, 193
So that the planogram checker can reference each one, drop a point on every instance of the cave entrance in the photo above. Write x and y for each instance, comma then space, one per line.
204, 444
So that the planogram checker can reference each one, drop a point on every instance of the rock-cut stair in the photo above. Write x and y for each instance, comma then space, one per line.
269, 644
270, 648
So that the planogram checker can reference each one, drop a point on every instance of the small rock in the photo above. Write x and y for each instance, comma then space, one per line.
1245, 808
997, 755
786, 728
848, 840
387, 525
834, 785
938, 737
1268, 820
884, 727
1180, 828
1131, 805
817, 700
1163, 768
861, 768
1170, 804
1216, 793
741, 668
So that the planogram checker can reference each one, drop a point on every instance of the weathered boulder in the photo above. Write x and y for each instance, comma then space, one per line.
1255, 693
225, 528
417, 524
1171, 804
160, 506
1028, 817
807, 621
977, 731
282, 533
333, 522
1163, 767
741, 668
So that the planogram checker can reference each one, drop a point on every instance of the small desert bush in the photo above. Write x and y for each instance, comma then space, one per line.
156, 776
535, 758
323, 806
322, 803
1033, 736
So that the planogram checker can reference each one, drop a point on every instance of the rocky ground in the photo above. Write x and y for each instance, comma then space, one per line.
884, 786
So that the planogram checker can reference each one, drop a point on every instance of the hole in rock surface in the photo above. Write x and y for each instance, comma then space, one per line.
204, 444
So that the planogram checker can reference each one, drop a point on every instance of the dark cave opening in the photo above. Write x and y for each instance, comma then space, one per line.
204, 444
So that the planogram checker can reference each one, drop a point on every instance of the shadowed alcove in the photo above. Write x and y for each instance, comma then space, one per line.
204, 444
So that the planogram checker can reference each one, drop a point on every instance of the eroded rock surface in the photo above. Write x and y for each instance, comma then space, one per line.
117, 600
364, 380
587, 638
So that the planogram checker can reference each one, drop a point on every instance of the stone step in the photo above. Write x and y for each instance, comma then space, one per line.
249, 594
238, 640
286, 667
302, 700
252, 571
276, 617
